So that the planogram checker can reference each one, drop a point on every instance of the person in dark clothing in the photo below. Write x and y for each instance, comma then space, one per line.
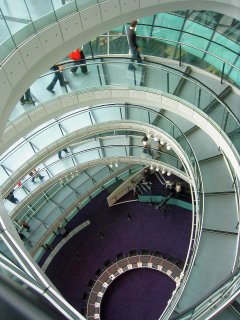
146, 145
27, 98
79, 60
146, 176
60, 153
26, 226
133, 46
22, 236
47, 246
58, 76
11, 197
35, 174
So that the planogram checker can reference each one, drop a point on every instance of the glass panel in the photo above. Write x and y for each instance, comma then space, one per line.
41, 14
167, 34
5, 251
47, 136
83, 4
118, 44
87, 185
102, 174
19, 157
64, 8
169, 20
218, 114
68, 200
195, 42
6, 41
18, 20
53, 216
76, 121
3, 175
197, 29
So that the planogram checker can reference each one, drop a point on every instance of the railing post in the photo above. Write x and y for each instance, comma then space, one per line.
91, 50
168, 82
180, 55
199, 97
222, 75
108, 44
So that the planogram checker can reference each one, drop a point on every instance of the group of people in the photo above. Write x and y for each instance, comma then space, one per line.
34, 174
173, 187
147, 146
79, 60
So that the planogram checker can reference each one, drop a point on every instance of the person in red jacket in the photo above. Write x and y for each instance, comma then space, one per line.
79, 60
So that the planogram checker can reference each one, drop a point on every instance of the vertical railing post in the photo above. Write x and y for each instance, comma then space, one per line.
222, 75
91, 50
108, 44
180, 56
168, 82
199, 97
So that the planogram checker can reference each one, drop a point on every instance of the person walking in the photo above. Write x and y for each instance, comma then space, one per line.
60, 153
146, 145
11, 197
133, 46
27, 98
79, 59
35, 174
58, 76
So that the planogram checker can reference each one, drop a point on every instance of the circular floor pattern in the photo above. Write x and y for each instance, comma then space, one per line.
138, 294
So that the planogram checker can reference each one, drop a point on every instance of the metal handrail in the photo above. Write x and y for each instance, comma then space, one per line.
98, 107
180, 43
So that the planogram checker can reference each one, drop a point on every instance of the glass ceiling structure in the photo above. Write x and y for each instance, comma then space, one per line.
206, 39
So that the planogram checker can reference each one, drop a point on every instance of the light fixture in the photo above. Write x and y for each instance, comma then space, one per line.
156, 138
168, 146
157, 169
116, 164
77, 173
169, 173
163, 171
110, 165
148, 134
162, 141
151, 167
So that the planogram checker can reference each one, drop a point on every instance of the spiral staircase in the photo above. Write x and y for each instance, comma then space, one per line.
194, 102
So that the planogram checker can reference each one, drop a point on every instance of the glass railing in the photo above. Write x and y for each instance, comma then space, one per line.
54, 167
22, 19
71, 192
219, 299
4, 251
30, 18
166, 161
43, 136
70, 122
18, 279
215, 63
114, 72
42, 225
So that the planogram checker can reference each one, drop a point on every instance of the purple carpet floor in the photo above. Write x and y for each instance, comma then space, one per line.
133, 295
77, 261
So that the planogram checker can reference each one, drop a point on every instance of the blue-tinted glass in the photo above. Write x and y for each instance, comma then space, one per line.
197, 29
169, 20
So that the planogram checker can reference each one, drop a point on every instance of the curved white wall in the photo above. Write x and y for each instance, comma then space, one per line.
45, 48
145, 97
